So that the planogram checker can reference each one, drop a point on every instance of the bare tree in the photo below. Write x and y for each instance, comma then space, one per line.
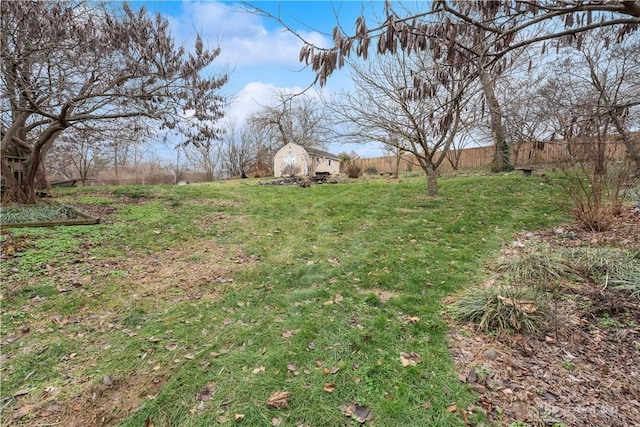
299, 118
76, 154
379, 109
474, 35
240, 151
526, 117
205, 156
64, 64
592, 92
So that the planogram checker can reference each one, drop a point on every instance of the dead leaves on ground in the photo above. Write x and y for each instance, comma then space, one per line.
279, 400
359, 413
409, 359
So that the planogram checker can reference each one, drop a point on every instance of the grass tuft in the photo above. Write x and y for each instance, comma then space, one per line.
503, 308
609, 266
539, 265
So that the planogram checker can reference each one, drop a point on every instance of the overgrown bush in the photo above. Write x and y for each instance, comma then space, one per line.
352, 170
597, 190
371, 170
291, 169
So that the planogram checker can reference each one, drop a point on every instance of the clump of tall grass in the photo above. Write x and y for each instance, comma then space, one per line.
504, 308
607, 266
524, 296
539, 265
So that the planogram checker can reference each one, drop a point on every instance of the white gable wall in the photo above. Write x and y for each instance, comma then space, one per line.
308, 163
291, 154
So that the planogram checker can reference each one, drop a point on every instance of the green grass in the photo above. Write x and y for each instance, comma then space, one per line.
317, 278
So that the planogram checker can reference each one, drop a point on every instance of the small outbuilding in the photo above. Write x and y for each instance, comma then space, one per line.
294, 159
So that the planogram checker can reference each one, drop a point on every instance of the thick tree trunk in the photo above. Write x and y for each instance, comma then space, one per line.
501, 157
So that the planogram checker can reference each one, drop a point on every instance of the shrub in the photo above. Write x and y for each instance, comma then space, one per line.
290, 169
371, 170
597, 191
352, 170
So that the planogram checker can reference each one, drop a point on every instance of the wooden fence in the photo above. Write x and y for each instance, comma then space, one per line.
526, 154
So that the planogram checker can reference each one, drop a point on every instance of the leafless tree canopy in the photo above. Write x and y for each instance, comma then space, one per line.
379, 110
299, 118
81, 63
506, 25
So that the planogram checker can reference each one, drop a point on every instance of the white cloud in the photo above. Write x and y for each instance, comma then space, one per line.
254, 96
243, 38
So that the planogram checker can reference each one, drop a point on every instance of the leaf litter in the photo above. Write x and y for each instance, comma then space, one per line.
587, 374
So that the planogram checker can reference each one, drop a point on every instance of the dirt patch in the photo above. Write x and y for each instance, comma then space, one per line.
382, 295
586, 374
190, 271
104, 403
193, 271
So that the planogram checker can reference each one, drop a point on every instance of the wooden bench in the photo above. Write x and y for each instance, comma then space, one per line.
67, 183
526, 170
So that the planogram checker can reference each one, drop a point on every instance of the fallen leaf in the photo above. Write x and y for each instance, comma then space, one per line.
222, 419
204, 394
50, 391
409, 359
258, 370
278, 400
338, 298
277, 319
21, 392
238, 417
292, 367
290, 333
311, 345
361, 414
189, 356
523, 305
276, 422
331, 370
319, 363
452, 408
410, 319
426, 405
147, 422
329, 387
20, 413
171, 346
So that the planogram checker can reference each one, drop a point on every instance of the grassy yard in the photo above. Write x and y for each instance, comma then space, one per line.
194, 305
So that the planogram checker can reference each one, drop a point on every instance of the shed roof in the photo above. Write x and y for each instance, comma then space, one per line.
320, 153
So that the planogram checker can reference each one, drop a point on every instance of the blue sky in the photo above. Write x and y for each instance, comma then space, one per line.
261, 54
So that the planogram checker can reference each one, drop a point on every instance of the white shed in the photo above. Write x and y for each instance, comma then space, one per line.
294, 159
